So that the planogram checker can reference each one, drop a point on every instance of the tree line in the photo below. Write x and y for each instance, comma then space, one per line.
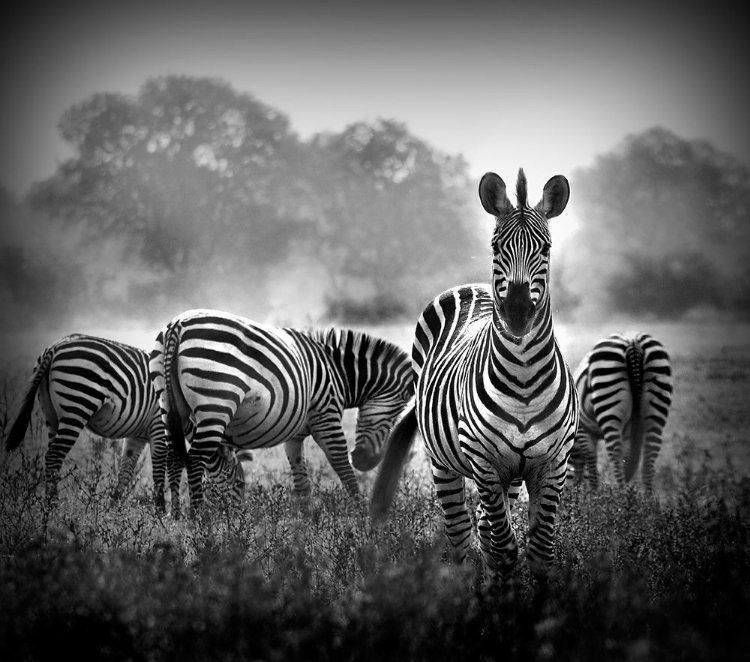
192, 194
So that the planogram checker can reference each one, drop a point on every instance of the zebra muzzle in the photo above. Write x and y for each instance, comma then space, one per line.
517, 310
362, 460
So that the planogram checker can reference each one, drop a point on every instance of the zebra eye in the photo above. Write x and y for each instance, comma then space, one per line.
545, 250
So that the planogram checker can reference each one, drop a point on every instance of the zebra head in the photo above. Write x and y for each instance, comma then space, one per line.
520, 249
226, 471
374, 422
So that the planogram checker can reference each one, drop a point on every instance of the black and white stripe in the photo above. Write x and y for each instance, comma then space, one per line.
625, 386
494, 400
88, 382
260, 386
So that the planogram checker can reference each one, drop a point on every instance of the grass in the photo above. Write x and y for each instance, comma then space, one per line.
282, 580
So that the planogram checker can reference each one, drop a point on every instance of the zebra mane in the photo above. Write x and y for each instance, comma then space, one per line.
340, 339
521, 192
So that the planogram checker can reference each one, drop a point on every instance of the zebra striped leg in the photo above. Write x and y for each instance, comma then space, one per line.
294, 454
62, 438
329, 435
614, 446
195, 472
159, 459
174, 471
208, 435
514, 490
545, 492
651, 447
497, 541
591, 461
450, 488
131, 452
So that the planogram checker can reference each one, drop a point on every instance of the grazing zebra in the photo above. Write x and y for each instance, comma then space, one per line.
85, 381
625, 387
494, 401
229, 376
89, 382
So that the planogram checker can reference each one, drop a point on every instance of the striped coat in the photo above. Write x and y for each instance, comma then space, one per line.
495, 401
86, 382
261, 386
625, 386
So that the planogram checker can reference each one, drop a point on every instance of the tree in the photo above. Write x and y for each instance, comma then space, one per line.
666, 222
37, 281
189, 175
393, 220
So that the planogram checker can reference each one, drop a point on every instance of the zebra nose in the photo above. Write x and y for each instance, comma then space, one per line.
517, 309
363, 460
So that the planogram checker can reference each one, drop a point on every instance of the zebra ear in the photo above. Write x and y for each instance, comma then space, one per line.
492, 194
554, 197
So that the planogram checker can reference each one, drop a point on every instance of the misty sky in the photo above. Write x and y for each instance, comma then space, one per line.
536, 84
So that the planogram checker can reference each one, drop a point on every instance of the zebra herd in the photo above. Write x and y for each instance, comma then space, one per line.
486, 387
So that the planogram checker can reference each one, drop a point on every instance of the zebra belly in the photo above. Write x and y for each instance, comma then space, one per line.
262, 421
113, 422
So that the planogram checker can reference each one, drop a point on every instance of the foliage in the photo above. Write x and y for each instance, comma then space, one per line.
392, 212
665, 223
193, 194
277, 581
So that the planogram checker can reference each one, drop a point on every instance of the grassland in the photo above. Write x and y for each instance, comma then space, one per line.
281, 580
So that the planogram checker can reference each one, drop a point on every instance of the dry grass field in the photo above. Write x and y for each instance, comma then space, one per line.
281, 580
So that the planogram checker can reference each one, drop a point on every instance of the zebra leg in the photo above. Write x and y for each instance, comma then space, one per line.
208, 435
614, 446
545, 492
159, 458
591, 461
329, 435
651, 446
131, 452
497, 541
174, 471
293, 448
514, 490
450, 488
63, 437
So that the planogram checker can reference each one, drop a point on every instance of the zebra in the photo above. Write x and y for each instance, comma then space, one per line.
229, 376
85, 381
625, 387
494, 399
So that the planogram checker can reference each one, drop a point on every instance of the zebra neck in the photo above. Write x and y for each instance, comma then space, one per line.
524, 358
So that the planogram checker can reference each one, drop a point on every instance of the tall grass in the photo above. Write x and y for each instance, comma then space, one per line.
281, 579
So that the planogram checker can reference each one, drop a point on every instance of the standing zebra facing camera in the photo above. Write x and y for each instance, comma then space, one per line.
495, 401
625, 387
261, 386
88, 382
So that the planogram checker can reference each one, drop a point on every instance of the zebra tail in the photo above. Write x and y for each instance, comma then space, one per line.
634, 367
18, 429
174, 423
397, 450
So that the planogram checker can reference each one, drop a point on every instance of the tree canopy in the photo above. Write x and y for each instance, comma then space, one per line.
207, 196
665, 226
192, 194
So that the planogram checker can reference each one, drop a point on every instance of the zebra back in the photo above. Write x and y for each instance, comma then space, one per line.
368, 367
375, 376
